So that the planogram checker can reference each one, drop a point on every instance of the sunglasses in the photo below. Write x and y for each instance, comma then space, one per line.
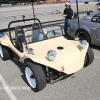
66, 5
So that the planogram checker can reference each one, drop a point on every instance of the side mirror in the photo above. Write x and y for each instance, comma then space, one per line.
31, 51
23, 16
88, 13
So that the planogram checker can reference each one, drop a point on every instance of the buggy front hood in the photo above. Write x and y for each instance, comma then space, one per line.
69, 60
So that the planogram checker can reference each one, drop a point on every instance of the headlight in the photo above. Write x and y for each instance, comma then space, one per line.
77, 38
51, 55
83, 43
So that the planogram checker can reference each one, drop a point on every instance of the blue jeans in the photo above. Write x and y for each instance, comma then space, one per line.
67, 24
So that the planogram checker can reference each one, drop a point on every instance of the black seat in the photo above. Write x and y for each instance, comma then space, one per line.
20, 38
37, 32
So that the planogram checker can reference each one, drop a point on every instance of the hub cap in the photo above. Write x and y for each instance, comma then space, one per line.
30, 77
1, 52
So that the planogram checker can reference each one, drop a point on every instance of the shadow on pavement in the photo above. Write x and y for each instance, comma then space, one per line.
95, 47
22, 69
60, 79
68, 37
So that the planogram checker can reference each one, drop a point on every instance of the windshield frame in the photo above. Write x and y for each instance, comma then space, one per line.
48, 26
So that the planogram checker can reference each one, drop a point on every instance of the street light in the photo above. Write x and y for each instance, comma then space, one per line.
77, 13
98, 5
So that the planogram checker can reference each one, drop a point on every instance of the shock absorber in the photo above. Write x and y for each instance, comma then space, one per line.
49, 74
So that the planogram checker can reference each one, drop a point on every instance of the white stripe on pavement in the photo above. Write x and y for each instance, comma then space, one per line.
7, 89
97, 57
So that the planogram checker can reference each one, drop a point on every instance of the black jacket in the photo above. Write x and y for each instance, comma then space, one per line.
69, 13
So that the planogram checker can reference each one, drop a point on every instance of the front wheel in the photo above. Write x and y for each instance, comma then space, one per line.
89, 57
5, 52
35, 76
83, 35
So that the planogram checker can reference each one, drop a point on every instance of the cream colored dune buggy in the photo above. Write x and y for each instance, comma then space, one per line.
46, 54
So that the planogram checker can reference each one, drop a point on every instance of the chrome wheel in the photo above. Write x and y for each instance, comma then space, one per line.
1, 52
30, 77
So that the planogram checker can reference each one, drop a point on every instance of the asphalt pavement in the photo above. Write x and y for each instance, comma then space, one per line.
82, 85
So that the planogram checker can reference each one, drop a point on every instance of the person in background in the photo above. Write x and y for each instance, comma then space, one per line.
68, 13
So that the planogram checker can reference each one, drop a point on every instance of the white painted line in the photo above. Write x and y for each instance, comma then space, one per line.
7, 89
97, 57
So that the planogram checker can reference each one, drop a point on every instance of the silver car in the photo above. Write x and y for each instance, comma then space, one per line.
89, 28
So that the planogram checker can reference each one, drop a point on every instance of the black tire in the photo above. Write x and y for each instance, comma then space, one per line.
83, 35
6, 53
38, 75
89, 57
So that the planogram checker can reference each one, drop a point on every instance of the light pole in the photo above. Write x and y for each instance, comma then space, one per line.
78, 13
98, 5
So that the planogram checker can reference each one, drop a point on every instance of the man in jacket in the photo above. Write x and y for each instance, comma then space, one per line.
68, 13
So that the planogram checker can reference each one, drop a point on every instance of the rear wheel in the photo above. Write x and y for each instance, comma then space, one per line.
5, 52
83, 35
89, 57
35, 76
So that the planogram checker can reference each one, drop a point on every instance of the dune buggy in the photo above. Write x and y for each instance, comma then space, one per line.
46, 54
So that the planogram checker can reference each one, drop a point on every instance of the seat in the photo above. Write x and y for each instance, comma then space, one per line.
20, 38
37, 32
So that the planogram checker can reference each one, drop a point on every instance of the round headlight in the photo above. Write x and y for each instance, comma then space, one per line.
83, 43
51, 55
76, 38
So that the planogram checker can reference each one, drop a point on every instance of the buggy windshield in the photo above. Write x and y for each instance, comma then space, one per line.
36, 35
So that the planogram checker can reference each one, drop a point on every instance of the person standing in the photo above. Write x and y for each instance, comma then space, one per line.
68, 13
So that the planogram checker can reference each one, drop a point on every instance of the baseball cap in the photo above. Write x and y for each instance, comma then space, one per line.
67, 3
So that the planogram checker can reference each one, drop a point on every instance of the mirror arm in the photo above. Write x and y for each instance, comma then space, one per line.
23, 16
54, 33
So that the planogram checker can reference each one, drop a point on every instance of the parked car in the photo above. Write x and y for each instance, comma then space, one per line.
97, 6
89, 28
5, 5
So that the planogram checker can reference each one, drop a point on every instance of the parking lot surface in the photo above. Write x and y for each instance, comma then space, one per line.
83, 85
